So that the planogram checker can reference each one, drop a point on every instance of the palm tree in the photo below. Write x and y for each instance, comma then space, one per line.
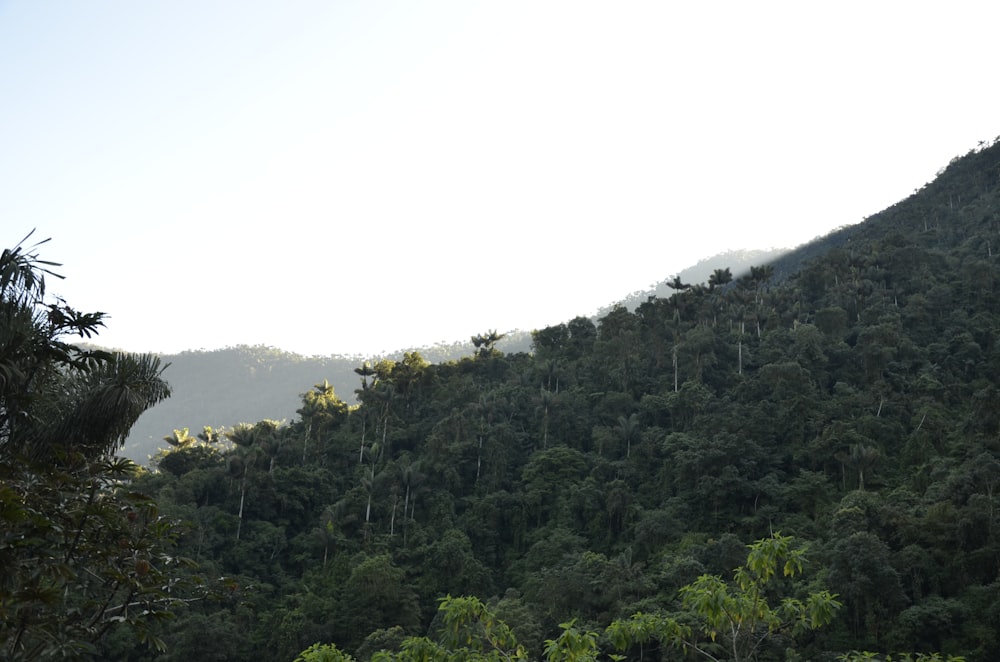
863, 458
93, 410
627, 428
719, 278
545, 398
210, 435
321, 409
760, 276
485, 342
374, 453
412, 478
245, 436
332, 520
365, 371
676, 284
180, 439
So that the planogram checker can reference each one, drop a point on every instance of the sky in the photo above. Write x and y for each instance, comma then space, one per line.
358, 177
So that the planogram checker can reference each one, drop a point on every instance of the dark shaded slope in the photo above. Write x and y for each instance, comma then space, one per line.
854, 405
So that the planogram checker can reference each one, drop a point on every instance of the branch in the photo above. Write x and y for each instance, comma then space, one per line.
700, 650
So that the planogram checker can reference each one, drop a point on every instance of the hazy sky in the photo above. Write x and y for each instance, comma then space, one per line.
353, 177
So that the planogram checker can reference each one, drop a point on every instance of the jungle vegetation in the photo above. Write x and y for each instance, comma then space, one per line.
781, 465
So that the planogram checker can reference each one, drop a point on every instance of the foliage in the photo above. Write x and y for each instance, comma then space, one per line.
81, 554
736, 616
847, 394
572, 645
470, 631
323, 653
864, 656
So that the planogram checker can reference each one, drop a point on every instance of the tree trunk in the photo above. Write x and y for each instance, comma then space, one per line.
361, 453
243, 493
479, 457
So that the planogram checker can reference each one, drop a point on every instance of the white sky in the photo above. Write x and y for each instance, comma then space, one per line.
358, 177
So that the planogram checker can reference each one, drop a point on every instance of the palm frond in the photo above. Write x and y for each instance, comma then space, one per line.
107, 401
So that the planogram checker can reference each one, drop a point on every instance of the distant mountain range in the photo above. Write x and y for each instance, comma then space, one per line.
245, 384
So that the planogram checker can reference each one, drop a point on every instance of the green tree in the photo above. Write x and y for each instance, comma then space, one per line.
180, 438
628, 429
323, 653
719, 278
571, 645
376, 595
676, 284
734, 619
80, 555
321, 411
470, 632
485, 343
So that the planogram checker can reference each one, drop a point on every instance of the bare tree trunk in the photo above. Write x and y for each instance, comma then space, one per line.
479, 457
361, 453
243, 493
675, 368
305, 442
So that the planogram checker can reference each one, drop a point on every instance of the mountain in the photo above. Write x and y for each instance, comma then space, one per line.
738, 262
846, 395
220, 388
223, 387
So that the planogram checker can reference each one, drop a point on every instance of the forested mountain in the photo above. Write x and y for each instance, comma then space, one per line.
239, 384
737, 262
596, 493
854, 405
223, 387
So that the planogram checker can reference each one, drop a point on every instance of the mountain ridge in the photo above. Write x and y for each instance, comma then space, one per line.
249, 383
853, 405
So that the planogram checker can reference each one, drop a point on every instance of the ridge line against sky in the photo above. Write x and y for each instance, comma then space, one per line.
357, 178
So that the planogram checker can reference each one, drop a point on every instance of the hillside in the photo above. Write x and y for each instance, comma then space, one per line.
852, 403
219, 388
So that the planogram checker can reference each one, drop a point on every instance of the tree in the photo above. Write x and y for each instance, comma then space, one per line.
376, 595
187, 457
321, 410
676, 284
628, 428
868, 656
80, 554
572, 645
411, 477
486, 342
470, 632
861, 569
719, 278
323, 653
180, 438
862, 458
365, 371
244, 436
735, 616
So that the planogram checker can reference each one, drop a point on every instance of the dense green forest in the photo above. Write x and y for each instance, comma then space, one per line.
250, 383
789, 439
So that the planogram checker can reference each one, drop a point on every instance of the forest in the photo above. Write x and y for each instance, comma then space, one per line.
778, 465
252, 383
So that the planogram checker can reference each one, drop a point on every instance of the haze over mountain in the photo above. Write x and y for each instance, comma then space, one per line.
203, 171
